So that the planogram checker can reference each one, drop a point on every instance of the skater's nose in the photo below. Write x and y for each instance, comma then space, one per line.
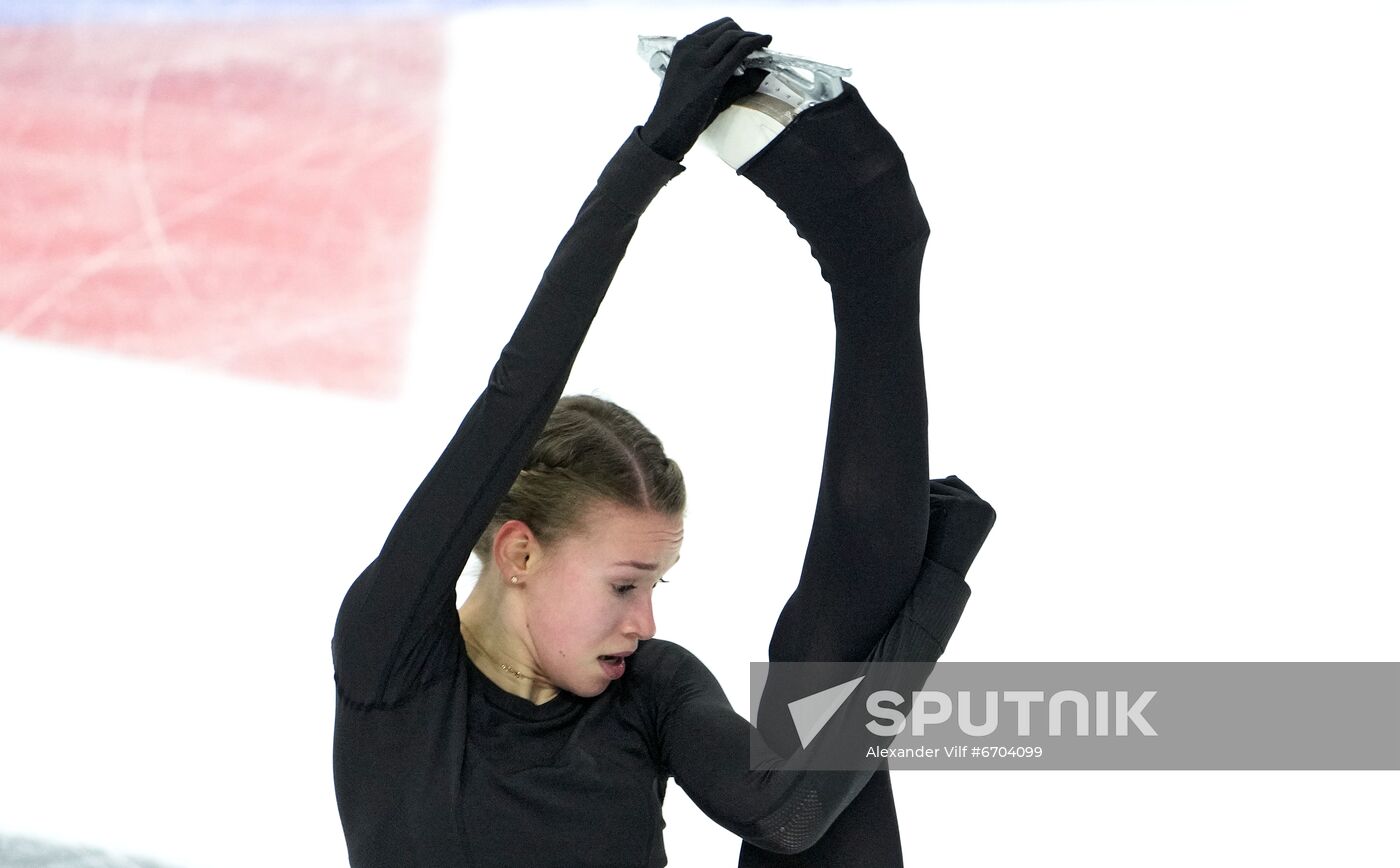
639, 622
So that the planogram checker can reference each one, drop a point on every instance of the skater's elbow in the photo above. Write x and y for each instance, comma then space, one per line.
785, 844
799, 826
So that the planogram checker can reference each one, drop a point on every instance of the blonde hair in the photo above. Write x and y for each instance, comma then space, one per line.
590, 450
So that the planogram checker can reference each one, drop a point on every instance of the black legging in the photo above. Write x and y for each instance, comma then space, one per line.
843, 183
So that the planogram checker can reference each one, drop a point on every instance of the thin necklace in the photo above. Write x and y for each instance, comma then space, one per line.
482, 648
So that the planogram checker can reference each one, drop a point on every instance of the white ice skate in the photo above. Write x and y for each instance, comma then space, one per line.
753, 121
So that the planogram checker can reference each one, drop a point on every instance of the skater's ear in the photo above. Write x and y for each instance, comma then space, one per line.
515, 549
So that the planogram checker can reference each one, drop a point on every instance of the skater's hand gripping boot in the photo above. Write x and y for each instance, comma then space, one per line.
703, 78
793, 84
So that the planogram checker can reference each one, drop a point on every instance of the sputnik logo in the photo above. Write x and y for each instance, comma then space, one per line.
811, 713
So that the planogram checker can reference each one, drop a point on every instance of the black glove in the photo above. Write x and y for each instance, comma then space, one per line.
700, 83
959, 522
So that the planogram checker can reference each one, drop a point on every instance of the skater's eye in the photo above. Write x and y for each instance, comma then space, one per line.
623, 590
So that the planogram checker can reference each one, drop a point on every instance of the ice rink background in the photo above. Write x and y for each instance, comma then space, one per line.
257, 262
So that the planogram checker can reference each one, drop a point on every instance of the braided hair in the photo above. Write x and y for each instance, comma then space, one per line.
590, 450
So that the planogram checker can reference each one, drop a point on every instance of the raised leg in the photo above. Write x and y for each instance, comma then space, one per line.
843, 183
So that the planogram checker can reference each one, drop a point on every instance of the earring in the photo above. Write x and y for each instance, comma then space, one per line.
515, 580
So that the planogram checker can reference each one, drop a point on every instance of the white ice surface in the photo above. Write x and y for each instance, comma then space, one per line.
1159, 327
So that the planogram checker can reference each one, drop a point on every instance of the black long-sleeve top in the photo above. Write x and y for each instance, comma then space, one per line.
435, 764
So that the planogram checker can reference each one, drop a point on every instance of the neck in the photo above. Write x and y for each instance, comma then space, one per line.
498, 654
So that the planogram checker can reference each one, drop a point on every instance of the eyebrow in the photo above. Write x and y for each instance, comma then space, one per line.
639, 565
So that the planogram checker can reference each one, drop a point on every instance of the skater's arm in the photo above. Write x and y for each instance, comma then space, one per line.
780, 807
397, 627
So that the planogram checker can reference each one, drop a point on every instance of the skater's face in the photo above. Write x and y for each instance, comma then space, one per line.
589, 594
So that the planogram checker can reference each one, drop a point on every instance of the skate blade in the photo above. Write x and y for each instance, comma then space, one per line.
787, 83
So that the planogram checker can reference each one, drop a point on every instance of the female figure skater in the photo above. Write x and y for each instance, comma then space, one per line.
538, 724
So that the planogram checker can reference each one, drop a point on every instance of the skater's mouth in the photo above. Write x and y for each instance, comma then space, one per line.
614, 665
